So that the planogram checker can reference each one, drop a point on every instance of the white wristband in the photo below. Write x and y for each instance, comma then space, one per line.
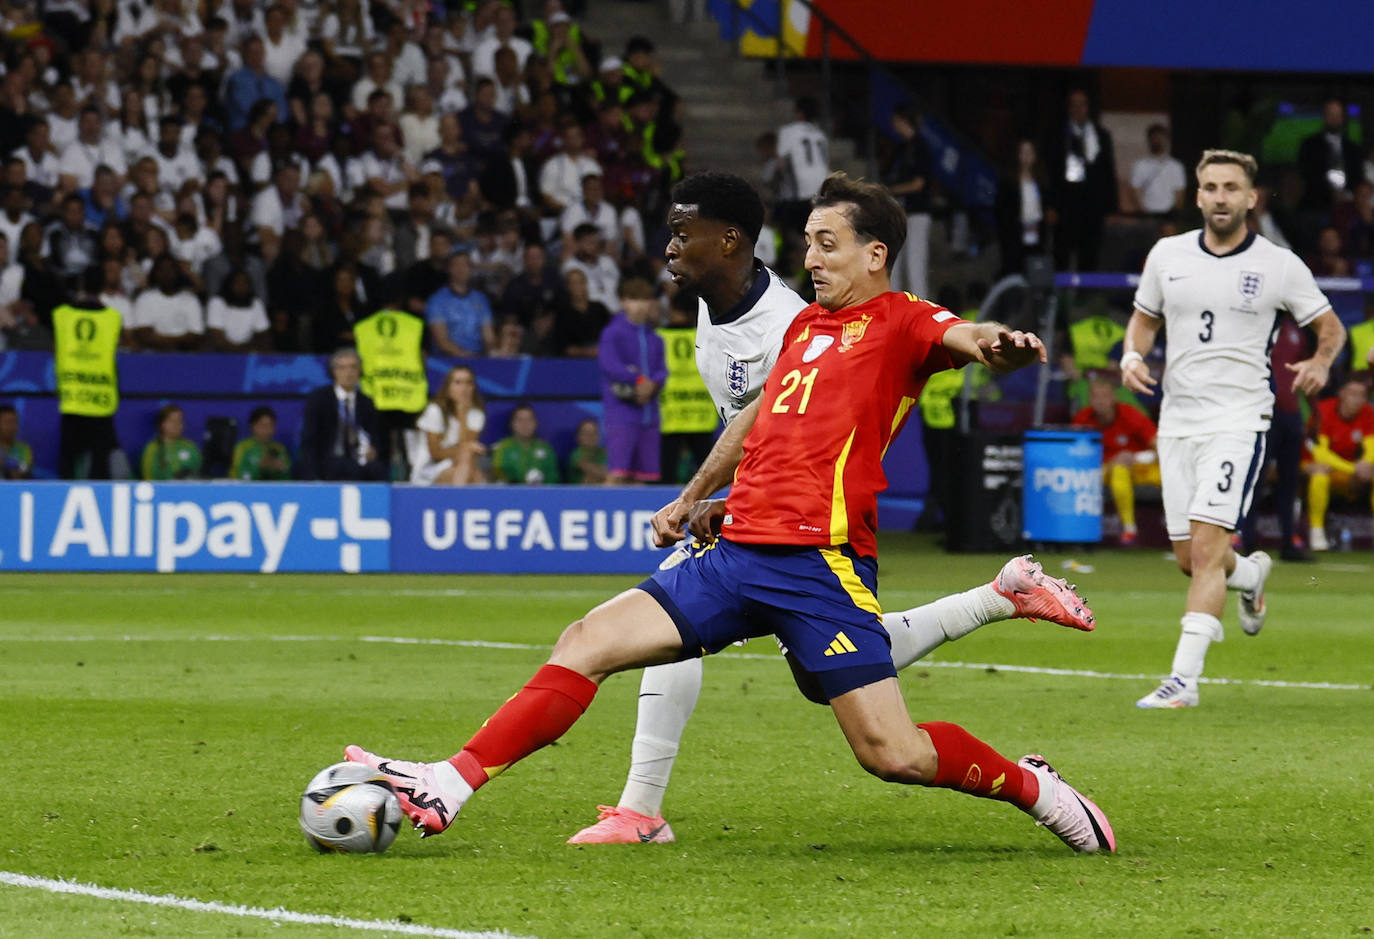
1130, 358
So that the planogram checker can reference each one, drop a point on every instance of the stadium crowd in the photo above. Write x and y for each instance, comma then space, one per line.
253, 177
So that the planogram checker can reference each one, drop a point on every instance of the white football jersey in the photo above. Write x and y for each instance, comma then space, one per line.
736, 350
805, 147
1221, 314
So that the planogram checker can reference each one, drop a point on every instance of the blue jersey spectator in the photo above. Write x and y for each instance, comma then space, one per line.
459, 317
250, 83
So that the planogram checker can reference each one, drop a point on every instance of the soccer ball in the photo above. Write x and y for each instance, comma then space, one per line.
350, 808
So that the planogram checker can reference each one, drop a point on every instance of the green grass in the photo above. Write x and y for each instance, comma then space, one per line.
158, 731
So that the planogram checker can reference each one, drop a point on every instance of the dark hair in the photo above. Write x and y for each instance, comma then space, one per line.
808, 107
584, 229
260, 412
724, 197
93, 280
638, 44
1156, 128
870, 208
166, 411
7, 409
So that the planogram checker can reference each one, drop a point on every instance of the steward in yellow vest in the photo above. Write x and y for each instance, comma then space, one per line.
393, 364
86, 336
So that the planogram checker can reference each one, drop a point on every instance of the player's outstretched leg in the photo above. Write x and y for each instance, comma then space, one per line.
667, 695
875, 722
1021, 589
628, 631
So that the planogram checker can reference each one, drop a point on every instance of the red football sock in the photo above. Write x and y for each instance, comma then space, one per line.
970, 765
535, 717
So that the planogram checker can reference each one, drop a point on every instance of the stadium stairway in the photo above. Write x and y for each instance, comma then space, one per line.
727, 100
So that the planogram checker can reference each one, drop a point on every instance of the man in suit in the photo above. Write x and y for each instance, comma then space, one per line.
1084, 179
340, 436
1330, 162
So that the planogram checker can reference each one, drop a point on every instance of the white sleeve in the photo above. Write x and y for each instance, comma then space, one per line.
215, 313
1138, 178
198, 317
431, 419
1301, 297
1149, 295
259, 318
138, 316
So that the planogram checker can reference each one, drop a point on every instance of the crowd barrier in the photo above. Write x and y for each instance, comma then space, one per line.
327, 527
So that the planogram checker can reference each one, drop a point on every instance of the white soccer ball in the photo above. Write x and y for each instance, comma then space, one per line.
350, 808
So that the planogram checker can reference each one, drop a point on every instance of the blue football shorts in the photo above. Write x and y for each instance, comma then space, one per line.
821, 602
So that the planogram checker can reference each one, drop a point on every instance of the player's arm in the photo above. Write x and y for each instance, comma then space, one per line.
994, 345
1141, 331
716, 472
1310, 375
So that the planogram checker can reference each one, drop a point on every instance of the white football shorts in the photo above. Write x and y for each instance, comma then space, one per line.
1209, 478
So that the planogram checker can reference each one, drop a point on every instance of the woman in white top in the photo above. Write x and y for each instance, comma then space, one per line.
450, 425
236, 320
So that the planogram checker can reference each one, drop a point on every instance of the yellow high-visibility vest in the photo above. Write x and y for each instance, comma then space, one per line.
84, 352
685, 406
393, 365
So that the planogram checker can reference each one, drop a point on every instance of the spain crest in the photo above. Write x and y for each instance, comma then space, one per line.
853, 331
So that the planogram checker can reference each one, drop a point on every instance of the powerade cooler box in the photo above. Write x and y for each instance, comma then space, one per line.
1062, 488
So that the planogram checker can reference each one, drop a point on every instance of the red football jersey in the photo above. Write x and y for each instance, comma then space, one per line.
841, 390
1130, 430
1346, 438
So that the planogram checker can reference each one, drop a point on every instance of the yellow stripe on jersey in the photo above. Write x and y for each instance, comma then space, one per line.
902, 408
843, 569
912, 297
839, 512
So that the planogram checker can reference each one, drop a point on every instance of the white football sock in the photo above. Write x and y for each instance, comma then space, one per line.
1199, 631
1245, 577
451, 783
667, 695
917, 631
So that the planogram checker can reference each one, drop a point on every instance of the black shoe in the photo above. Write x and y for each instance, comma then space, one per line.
1294, 553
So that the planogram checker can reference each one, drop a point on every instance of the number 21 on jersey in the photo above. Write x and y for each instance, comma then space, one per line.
790, 383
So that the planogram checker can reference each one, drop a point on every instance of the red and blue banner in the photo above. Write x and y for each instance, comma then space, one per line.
1257, 35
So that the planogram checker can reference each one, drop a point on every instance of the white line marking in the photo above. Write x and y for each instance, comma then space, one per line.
254, 912
754, 656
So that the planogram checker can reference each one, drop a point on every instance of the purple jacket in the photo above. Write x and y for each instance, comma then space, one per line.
626, 352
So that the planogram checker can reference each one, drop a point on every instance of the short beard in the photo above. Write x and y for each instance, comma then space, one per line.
1223, 233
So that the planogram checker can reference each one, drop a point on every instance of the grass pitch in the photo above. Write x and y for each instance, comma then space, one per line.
159, 730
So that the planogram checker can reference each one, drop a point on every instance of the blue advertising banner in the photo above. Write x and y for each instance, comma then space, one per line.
509, 530
142, 526
212, 375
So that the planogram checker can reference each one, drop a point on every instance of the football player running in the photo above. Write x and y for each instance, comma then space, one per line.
1221, 291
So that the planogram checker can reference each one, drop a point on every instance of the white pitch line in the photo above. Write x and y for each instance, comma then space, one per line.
536, 647
252, 912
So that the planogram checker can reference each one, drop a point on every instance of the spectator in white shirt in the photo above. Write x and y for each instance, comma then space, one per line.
14, 214
448, 95
408, 63
347, 30
236, 319
91, 148
384, 169
419, 124
511, 93
589, 257
378, 76
560, 179
277, 208
63, 118
194, 243
281, 46
503, 37
1158, 179
167, 316
40, 162
591, 207
174, 164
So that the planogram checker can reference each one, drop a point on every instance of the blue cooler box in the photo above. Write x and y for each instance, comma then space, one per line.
1062, 495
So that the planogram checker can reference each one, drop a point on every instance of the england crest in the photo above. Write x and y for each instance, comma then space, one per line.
736, 376
1251, 283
